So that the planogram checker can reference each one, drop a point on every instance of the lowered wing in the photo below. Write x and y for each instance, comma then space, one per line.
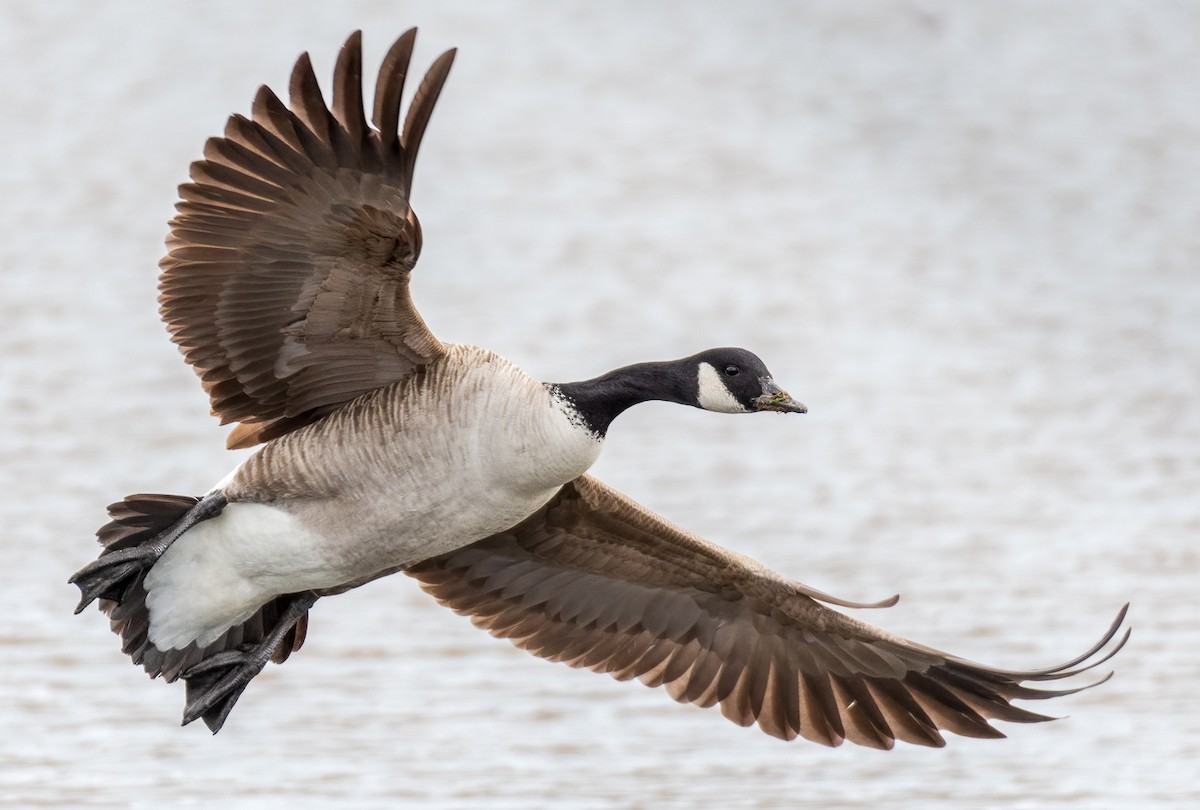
596, 581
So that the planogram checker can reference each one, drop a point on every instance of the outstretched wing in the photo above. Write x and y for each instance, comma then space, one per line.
596, 581
285, 283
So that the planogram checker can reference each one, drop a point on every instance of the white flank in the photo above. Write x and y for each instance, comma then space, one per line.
713, 395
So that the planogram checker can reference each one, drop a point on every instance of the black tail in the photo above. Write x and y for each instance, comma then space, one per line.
138, 520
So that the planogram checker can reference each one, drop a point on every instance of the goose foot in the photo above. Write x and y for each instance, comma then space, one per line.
215, 684
111, 575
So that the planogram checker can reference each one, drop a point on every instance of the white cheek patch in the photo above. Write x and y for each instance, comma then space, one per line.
713, 395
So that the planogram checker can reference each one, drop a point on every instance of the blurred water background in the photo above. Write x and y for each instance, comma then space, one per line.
966, 235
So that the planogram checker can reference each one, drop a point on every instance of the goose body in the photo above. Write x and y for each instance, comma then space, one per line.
320, 507
383, 449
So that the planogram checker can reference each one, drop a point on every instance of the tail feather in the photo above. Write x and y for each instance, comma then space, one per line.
138, 519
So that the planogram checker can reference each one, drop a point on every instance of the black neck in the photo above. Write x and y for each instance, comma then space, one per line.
601, 400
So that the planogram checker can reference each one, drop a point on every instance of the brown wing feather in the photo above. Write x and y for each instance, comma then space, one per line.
286, 281
596, 581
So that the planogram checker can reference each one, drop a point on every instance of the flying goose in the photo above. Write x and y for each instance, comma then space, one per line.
285, 286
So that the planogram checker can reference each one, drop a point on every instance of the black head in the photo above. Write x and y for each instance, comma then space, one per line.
722, 380
733, 380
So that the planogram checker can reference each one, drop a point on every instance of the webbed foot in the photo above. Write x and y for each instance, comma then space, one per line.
215, 684
109, 576
120, 565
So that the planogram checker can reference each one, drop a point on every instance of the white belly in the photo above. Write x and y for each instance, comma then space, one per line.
395, 478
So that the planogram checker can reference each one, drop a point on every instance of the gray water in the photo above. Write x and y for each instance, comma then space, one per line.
966, 235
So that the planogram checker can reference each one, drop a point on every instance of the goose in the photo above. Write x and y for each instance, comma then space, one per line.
286, 287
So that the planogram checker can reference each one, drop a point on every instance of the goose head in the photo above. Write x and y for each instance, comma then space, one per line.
731, 380
726, 380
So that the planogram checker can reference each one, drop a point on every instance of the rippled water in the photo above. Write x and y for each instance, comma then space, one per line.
965, 235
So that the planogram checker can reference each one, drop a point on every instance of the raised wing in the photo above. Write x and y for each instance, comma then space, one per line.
285, 283
596, 581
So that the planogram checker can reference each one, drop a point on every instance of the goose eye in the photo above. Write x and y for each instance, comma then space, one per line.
731, 371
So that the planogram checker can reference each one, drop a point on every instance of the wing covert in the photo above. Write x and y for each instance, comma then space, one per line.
286, 281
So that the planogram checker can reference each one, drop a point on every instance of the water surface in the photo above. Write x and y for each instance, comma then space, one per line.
964, 235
